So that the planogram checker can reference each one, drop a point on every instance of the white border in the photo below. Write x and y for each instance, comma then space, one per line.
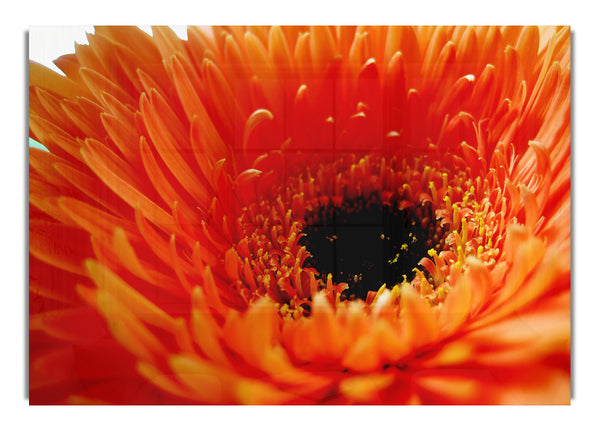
580, 15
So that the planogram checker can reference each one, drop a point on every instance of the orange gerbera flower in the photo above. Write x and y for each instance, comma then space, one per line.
302, 215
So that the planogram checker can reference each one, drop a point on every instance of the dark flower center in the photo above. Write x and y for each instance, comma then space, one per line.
366, 243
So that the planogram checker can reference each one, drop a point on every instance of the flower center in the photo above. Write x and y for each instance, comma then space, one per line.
365, 242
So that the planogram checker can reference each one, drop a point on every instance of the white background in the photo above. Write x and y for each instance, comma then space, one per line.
582, 414
48, 42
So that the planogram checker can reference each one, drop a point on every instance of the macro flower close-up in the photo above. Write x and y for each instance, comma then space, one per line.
302, 215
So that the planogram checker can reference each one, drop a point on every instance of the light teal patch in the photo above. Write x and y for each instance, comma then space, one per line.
36, 144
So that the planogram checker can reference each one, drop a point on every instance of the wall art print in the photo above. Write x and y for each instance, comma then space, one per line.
302, 215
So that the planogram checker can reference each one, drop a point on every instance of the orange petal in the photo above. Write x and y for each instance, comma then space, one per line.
44, 77
365, 388
134, 301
